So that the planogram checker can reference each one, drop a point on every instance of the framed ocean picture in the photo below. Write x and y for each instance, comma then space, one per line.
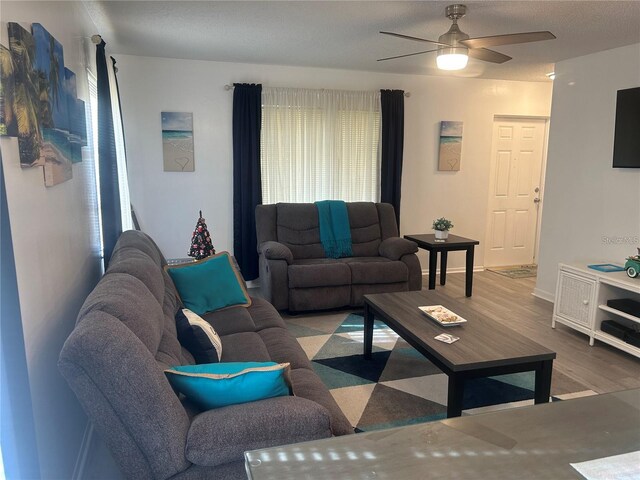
177, 142
450, 146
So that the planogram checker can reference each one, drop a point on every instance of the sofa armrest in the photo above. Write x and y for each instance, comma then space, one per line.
223, 435
395, 248
276, 251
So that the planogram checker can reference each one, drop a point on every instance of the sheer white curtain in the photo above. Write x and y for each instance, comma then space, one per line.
320, 145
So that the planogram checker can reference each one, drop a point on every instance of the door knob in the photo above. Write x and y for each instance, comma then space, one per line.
536, 200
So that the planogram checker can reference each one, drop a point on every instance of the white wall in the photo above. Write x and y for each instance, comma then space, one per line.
56, 251
168, 203
586, 200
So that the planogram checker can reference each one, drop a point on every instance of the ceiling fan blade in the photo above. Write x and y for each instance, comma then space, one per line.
509, 39
407, 55
488, 55
417, 39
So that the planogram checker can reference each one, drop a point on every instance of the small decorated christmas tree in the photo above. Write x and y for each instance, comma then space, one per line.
201, 245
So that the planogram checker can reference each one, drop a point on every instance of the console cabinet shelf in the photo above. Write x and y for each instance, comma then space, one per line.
581, 303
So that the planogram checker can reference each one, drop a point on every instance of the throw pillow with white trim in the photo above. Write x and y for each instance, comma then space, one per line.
220, 384
198, 336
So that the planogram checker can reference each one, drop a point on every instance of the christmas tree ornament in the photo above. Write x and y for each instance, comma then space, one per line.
201, 245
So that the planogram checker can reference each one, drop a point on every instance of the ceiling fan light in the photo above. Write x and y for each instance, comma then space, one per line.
452, 61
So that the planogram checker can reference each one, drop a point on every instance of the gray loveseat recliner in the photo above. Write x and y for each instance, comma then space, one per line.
295, 275
125, 337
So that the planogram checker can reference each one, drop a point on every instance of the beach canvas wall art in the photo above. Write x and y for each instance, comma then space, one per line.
177, 141
77, 118
55, 150
8, 122
450, 146
26, 104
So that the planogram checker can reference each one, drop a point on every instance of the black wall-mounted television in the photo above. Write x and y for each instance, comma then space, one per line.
626, 143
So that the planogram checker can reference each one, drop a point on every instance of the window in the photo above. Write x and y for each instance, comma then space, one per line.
91, 109
92, 134
320, 145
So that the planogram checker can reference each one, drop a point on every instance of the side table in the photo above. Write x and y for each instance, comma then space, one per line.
453, 243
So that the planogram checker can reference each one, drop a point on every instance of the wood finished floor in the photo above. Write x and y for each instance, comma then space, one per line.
508, 301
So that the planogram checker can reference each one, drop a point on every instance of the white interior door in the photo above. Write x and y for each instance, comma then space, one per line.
514, 191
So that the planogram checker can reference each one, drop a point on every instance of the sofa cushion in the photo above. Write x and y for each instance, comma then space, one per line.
231, 320
382, 271
365, 228
244, 347
169, 351
198, 336
140, 265
264, 315
324, 272
297, 227
210, 284
171, 301
283, 347
130, 301
220, 436
139, 241
215, 385
319, 298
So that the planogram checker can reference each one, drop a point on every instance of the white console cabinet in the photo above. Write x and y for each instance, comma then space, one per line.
581, 302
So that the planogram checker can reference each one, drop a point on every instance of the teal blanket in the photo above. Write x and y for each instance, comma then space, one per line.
335, 232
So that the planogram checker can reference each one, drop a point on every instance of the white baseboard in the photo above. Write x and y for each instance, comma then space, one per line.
425, 271
544, 295
83, 454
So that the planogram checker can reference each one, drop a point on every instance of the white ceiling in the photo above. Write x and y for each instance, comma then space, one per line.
344, 34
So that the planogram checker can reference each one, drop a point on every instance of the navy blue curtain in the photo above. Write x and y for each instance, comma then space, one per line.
247, 186
392, 111
109, 189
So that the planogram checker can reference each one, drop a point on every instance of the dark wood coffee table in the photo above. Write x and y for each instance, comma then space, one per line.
451, 244
486, 348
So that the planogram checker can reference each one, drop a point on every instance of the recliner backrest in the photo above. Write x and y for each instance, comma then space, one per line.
296, 226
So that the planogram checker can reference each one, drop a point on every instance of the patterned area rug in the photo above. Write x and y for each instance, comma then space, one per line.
399, 386
516, 271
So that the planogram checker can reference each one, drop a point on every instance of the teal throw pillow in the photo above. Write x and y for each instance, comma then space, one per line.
210, 284
214, 385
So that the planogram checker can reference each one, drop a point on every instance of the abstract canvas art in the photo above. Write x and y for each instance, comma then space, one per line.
55, 150
450, 146
177, 142
8, 123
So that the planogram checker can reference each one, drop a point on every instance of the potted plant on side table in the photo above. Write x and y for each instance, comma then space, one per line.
442, 227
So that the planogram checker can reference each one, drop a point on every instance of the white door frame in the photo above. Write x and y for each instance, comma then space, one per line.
543, 169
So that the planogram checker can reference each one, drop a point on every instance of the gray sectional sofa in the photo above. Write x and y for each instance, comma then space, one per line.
125, 337
295, 275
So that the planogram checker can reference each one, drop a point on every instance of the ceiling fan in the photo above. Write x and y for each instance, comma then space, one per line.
455, 46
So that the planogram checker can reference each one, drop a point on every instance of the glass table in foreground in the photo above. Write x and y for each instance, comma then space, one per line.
537, 442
